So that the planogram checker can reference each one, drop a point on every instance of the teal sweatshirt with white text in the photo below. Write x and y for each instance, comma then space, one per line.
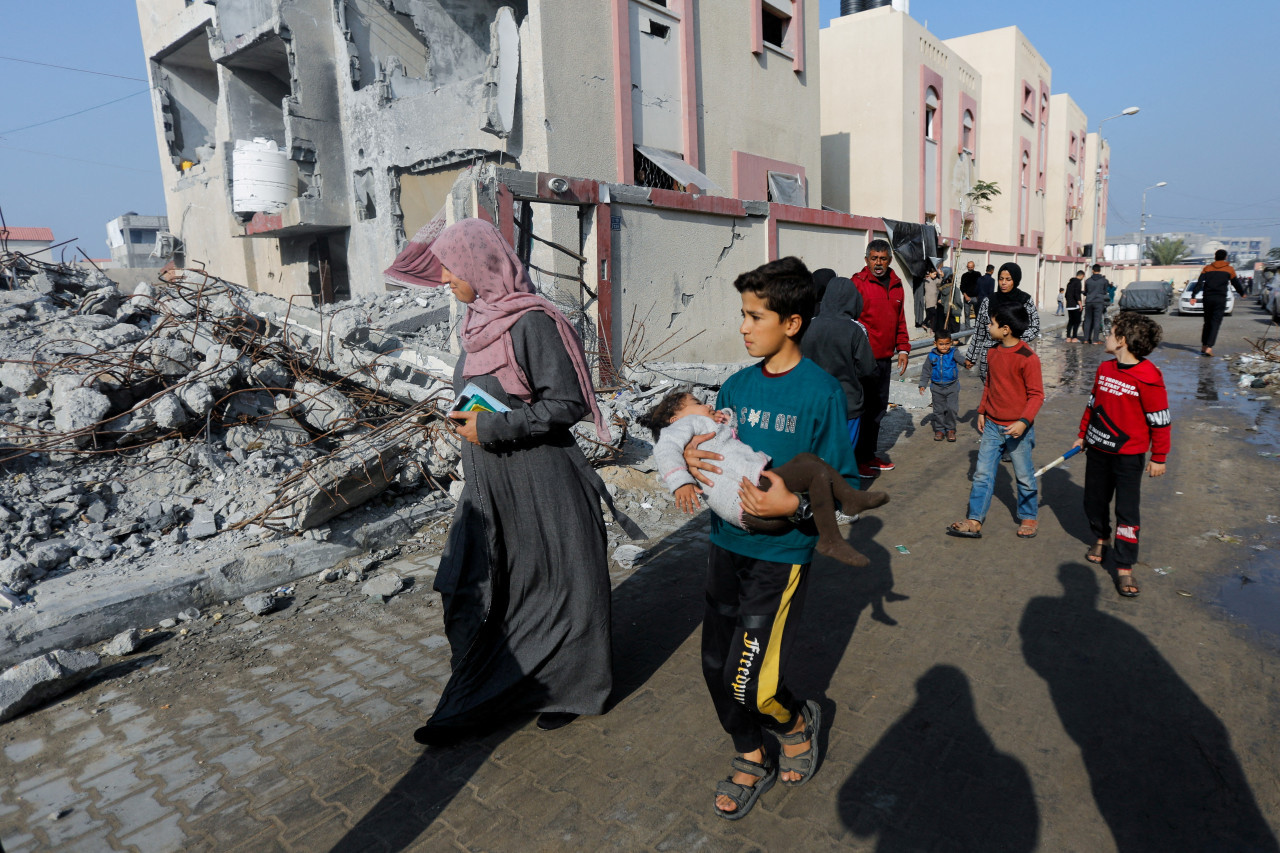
783, 415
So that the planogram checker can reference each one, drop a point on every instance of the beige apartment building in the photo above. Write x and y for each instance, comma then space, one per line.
1014, 129
901, 122
1095, 197
1064, 200
302, 141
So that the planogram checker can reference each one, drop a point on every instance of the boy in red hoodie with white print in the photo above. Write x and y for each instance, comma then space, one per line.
1127, 414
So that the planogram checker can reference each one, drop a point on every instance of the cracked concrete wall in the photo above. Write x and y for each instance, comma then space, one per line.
676, 272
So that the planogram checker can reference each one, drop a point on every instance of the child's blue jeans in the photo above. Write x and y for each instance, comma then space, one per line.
993, 441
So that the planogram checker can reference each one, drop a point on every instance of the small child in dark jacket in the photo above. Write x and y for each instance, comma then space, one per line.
940, 374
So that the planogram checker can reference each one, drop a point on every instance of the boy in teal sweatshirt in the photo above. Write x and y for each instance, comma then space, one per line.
785, 405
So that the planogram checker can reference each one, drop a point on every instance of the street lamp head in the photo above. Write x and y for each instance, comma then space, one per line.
1163, 184
1129, 112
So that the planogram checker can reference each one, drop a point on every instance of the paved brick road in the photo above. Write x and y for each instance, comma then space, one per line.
989, 695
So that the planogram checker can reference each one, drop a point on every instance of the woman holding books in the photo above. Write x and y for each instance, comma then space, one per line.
524, 576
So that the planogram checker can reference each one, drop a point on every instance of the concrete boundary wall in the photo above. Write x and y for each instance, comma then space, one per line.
666, 260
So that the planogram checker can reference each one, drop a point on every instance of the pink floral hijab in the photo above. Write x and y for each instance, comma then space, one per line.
474, 251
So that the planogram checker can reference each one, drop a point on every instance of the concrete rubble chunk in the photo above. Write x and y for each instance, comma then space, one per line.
197, 397
20, 377
168, 412
383, 586
260, 603
120, 334
204, 523
626, 555
8, 599
168, 623
123, 643
76, 407
34, 681
48, 555
324, 408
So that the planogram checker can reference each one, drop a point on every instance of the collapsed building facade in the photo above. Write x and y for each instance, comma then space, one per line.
369, 110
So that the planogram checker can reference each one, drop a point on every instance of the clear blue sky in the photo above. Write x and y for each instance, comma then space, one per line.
1205, 77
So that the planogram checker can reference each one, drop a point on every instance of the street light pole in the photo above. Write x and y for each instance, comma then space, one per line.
1142, 229
1097, 182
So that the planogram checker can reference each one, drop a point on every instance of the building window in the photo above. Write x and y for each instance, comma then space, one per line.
1023, 198
1071, 149
931, 114
930, 142
966, 130
774, 24
1028, 102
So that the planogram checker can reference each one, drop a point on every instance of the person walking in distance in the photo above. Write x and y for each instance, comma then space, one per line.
1075, 306
885, 319
1095, 305
969, 292
1212, 286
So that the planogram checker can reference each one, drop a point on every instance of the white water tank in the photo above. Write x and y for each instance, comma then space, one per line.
263, 178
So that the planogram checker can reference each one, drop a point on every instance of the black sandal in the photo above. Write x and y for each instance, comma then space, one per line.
1126, 586
807, 761
745, 796
1094, 554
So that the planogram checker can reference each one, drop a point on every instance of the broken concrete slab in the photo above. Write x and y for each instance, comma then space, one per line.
348, 478
383, 586
324, 408
34, 681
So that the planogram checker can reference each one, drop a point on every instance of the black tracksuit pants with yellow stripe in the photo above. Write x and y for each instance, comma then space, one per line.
753, 611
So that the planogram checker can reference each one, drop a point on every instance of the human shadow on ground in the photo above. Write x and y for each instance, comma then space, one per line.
896, 422
654, 611
1160, 762
936, 777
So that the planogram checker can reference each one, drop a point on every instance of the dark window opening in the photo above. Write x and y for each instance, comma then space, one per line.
327, 269
647, 174
774, 25
657, 29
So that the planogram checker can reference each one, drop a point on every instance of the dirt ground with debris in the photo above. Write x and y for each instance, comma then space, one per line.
978, 695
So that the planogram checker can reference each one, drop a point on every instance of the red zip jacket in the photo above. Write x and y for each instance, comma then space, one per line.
1128, 411
882, 313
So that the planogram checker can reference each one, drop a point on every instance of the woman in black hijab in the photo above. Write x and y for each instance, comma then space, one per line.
1007, 292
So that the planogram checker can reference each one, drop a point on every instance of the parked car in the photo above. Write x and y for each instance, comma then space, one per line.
1149, 296
1185, 306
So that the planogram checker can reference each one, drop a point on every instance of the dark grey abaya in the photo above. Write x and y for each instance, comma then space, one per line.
524, 575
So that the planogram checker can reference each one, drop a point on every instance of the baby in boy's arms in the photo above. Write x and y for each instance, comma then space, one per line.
679, 417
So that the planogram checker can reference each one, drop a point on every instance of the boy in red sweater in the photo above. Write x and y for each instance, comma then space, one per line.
1128, 412
1010, 400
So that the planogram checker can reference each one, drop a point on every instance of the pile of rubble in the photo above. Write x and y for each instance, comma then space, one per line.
1259, 369
193, 414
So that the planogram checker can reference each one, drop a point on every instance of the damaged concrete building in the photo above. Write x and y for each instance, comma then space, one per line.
302, 140
639, 154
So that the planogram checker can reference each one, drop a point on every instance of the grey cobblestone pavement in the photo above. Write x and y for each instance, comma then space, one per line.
982, 695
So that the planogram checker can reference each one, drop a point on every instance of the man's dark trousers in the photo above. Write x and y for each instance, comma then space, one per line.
875, 397
1215, 308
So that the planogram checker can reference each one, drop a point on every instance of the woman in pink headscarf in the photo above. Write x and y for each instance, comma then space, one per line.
524, 575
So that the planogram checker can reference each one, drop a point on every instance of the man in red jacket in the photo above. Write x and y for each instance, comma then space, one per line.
885, 320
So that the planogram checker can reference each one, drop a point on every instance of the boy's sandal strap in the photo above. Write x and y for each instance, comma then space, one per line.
751, 768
